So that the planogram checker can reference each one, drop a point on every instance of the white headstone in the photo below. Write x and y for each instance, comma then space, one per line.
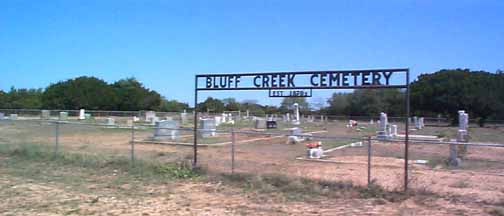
394, 130
110, 121
63, 116
207, 128
167, 129
296, 107
421, 123
415, 121
463, 120
183, 117
150, 116
383, 132
13, 116
82, 115
45, 114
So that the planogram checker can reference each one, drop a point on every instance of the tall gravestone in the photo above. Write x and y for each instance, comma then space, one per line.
45, 114
394, 131
382, 127
207, 128
82, 114
456, 151
415, 122
296, 111
463, 129
167, 129
183, 117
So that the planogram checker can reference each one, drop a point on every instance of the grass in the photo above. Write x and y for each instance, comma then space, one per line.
140, 168
34, 162
303, 189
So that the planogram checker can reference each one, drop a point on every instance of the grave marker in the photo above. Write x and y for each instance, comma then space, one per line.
207, 128
167, 129
63, 116
45, 114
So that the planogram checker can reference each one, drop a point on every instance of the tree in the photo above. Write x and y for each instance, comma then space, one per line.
338, 104
367, 102
172, 106
21, 99
231, 104
212, 105
81, 92
479, 93
133, 95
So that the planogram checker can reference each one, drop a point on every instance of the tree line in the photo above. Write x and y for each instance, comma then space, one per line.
444, 92
90, 93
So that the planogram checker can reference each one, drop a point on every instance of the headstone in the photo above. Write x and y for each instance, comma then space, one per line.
183, 117
394, 131
293, 137
271, 124
82, 114
135, 119
454, 159
421, 123
260, 124
45, 114
110, 121
463, 120
248, 114
415, 122
371, 121
218, 120
150, 116
13, 116
63, 116
129, 123
297, 120
2, 116
167, 129
207, 128
87, 116
153, 120
382, 128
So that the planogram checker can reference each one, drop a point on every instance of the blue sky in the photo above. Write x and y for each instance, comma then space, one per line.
165, 43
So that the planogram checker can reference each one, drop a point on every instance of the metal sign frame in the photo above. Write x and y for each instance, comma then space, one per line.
340, 77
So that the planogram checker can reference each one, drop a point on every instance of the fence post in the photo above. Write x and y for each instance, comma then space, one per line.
56, 137
369, 161
133, 141
233, 139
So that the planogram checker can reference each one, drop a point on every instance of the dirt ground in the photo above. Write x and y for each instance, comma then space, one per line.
471, 189
79, 191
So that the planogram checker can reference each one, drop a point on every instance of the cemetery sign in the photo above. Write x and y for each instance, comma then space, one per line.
351, 79
301, 84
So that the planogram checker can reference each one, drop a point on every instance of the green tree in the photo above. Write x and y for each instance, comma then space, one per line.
479, 93
213, 105
81, 92
133, 95
231, 104
22, 99
172, 106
